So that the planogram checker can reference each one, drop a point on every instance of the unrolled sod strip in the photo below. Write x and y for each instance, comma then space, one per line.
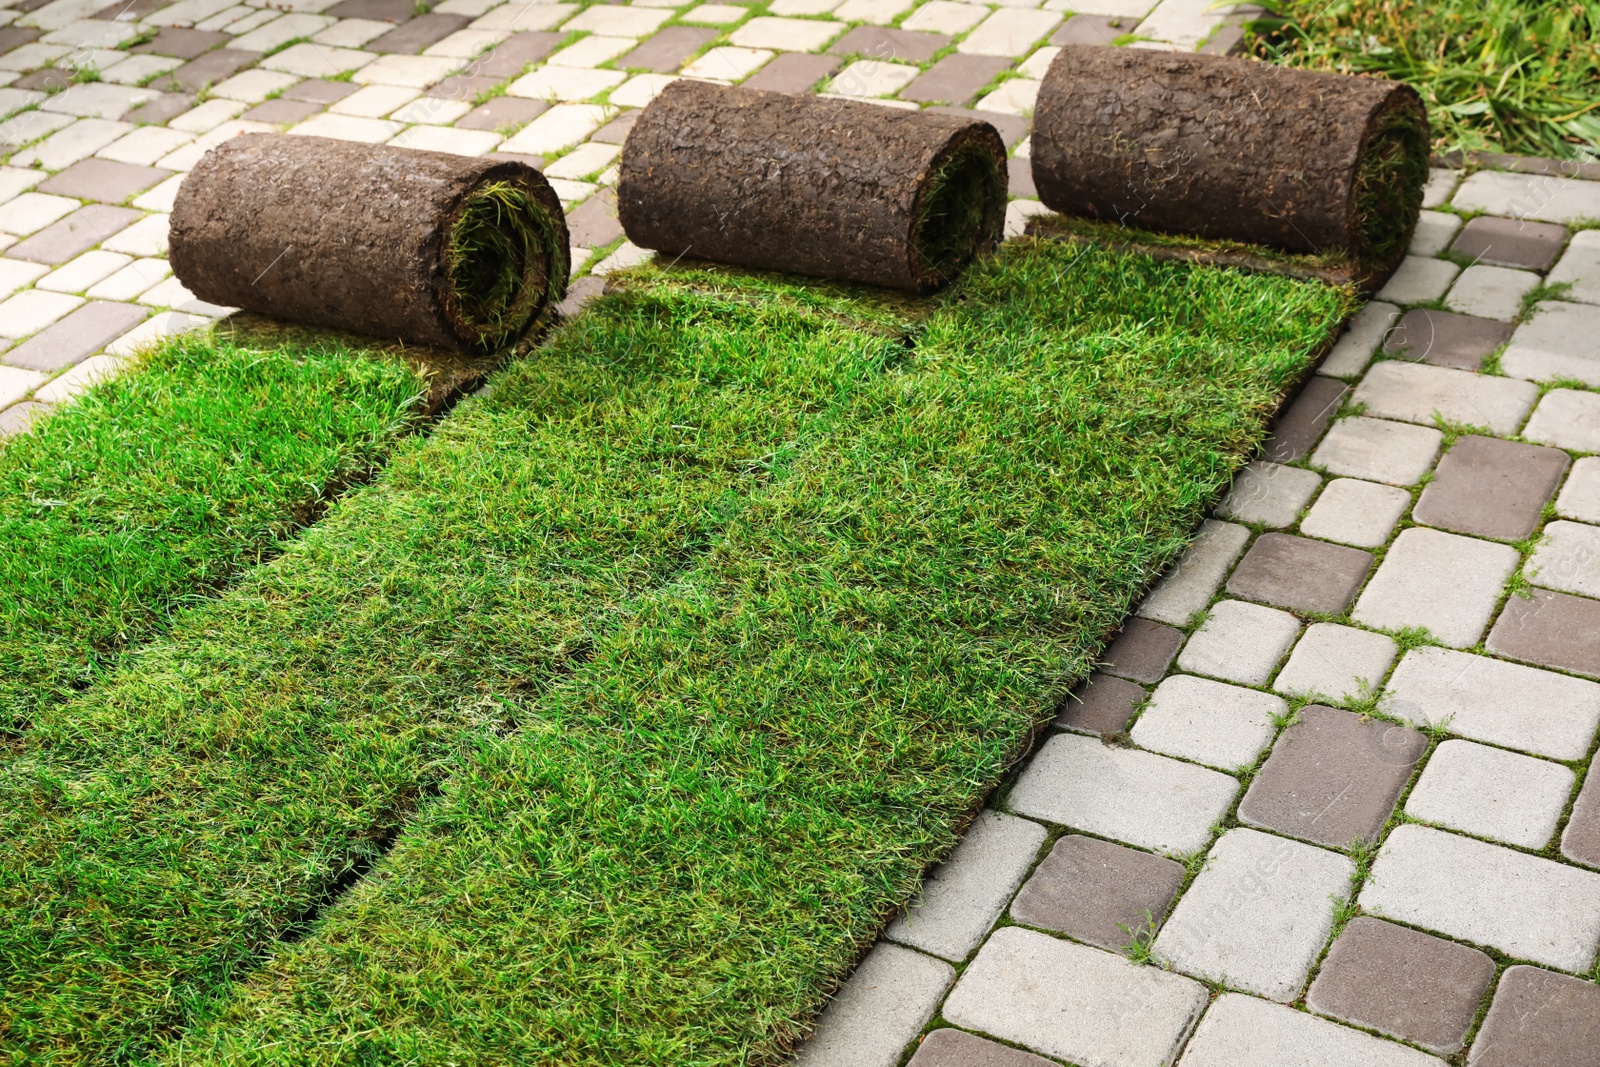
826, 187
421, 247
1232, 148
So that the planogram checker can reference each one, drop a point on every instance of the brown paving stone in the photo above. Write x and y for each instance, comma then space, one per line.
1089, 889
1540, 1019
130, 10
377, 10
1300, 425
955, 79
18, 417
1142, 650
17, 36
1332, 777
104, 180
1019, 182
162, 109
78, 336
880, 42
1012, 128
1551, 629
593, 223
76, 233
462, 87
1491, 488
1510, 242
281, 111
317, 91
29, 5
512, 56
1300, 574
1403, 983
957, 1048
1100, 704
417, 34
1092, 29
209, 69
667, 50
1581, 840
1445, 339
502, 111
181, 42
793, 72
46, 80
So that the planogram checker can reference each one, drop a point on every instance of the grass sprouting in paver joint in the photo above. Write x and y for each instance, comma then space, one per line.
712, 638
164, 483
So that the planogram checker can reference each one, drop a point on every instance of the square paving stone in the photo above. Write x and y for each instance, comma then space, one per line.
1434, 232
318, 91
668, 49
1333, 777
1491, 292
1354, 512
882, 43
1489, 792
1100, 704
1402, 983
1300, 424
1269, 494
77, 336
75, 234
1443, 582
1219, 725
1540, 1019
1567, 558
1240, 642
1337, 663
104, 180
1567, 418
1551, 629
955, 79
1581, 841
1300, 574
1417, 280
1510, 242
1241, 1031
957, 1048
1559, 340
1097, 892
793, 72
1491, 488
1446, 339
19, 417
1378, 450
1093, 29
1142, 650
181, 42
504, 112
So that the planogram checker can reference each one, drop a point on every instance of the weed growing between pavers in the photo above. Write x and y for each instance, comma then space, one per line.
163, 484
713, 625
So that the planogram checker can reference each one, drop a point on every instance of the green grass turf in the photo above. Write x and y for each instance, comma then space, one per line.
159, 486
708, 629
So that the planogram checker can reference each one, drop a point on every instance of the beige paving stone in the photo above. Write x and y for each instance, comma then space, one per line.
716, 14
254, 86
71, 143
583, 161
16, 383
727, 62
93, 33
79, 274
80, 377
1269, 494
416, 72
1190, 583
618, 21
145, 145
1339, 663
591, 51
130, 281
871, 77
1378, 450
1208, 722
802, 7
32, 212
1240, 642
191, 153
1420, 393
1488, 792
1241, 1031
16, 273
793, 35
374, 101
524, 18
1185, 23
1491, 292
1440, 185
1560, 340
1580, 497
156, 328
32, 310
565, 84
281, 30
1355, 512
138, 69
317, 60
1529, 196
945, 16
1037, 64
1009, 31
431, 111
1567, 418
1579, 268
878, 12
208, 116
467, 44
1435, 230
1568, 559
640, 89
1014, 97
563, 125
1443, 582
14, 181
1419, 279
347, 128
351, 33
97, 100
882, 1006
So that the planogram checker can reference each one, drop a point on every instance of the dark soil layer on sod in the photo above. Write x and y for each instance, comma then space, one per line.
672, 664
158, 487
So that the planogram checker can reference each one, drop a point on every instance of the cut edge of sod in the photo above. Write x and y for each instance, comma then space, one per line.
960, 212
1391, 169
504, 261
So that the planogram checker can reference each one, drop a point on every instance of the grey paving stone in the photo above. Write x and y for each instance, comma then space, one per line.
1190, 583
793, 72
1418, 279
1580, 497
181, 42
1301, 574
1074, 1002
104, 180
669, 49
957, 1048
514, 54
76, 337
1443, 582
1240, 642
1378, 450
74, 234
1433, 233
1445, 339
1567, 559
1510, 242
1219, 725
1527, 907
1540, 1019
1559, 340
377, 10
281, 112
1489, 792
955, 79
1124, 794
1305, 419
1580, 842
1269, 494
883, 43
1414, 392
1491, 488
1550, 629
1491, 292
963, 896
1505, 704
1567, 418
16, 36
416, 34
505, 113
1093, 29
206, 70
1333, 777
317, 91
161, 110
1337, 663
1403, 983
881, 1008
1362, 335
1142, 650
1258, 914
1580, 268
1241, 1031
1101, 704
1097, 892
1529, 196
1356, 512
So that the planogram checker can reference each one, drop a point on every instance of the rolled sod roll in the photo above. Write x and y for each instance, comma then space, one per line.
826, 187
421, 247
1232, 148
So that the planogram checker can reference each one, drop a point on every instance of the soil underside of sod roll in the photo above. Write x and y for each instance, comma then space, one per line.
824, 187
421, 247
668, 667
1233, 149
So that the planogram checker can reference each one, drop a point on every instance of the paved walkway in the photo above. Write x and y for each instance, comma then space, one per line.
1200, 867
